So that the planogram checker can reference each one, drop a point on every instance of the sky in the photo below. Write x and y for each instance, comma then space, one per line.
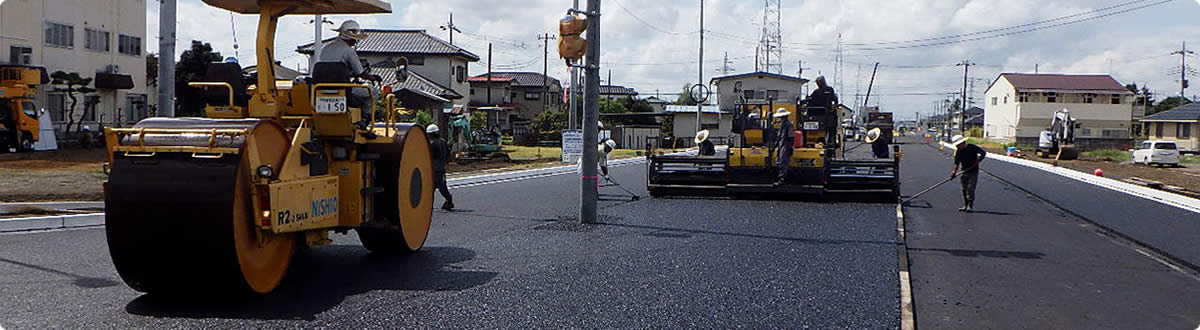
653, 46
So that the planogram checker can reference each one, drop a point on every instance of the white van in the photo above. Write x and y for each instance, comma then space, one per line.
1157, 153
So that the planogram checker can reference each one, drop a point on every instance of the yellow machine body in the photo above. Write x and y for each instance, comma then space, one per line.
224, 200
19, 120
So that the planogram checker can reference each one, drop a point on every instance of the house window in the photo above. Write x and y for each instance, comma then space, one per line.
1086, 132
460, 73
90, 103
97, 40
472, 91
1089, 98
748, 94
60, 35
130, 45
56, 103
1116, 99
1183, 130
772, 95
533, 96
415, 59
1051, 97
514, 95
995, 100
20, 55
1023, 97
135, 108
1158, 129
1006, 99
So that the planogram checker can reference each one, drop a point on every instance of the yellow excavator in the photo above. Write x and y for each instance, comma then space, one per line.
18, 115
221, 203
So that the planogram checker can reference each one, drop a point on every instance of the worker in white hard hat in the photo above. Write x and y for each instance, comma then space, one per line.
787, 141
967, 157
604, 149
341, 49
441, 157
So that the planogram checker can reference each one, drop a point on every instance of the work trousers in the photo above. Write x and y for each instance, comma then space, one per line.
785, 158
969, 180
439, 183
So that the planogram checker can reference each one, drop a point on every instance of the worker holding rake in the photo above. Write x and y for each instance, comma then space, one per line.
968, 157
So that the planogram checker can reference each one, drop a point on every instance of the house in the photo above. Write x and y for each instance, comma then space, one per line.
659, 105
437, 77
757, 88
615, 92
973, 118
103, 40
1181, 125
281, 72
717, 121
494, 95
529, 93
1019, 106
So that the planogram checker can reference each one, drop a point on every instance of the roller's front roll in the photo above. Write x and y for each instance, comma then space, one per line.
181, 221
405, 171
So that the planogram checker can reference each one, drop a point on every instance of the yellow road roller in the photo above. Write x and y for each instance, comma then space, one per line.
221, 203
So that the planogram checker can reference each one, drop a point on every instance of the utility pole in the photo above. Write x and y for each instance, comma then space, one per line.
545, 38
571, 99
316, 57
589, 182
451, 28
489, 75
962, 108
700, 68
166, 59
1183, 82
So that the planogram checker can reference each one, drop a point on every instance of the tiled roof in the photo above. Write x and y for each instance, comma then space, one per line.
691, 108
401, 41
1097, 83
523, 79
484, 78
656, 100
616, 90
415, 82
760, 73
1190, 111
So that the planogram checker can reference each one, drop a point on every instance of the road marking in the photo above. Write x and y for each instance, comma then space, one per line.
907, 316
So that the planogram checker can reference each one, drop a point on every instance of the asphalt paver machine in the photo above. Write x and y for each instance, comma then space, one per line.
221, 203
749, 164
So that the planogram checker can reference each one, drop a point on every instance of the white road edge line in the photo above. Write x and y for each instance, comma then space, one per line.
907, 317
1183, 202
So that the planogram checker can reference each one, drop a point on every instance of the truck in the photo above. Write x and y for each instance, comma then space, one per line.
18, 112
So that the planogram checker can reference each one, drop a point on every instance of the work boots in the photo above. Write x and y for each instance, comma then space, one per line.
968, 206
448, 206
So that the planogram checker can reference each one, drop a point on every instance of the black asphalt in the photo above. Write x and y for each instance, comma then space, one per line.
1023, 263
508, 259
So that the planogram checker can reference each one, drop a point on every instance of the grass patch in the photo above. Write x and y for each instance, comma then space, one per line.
555, 153
1108, 155
1190, 159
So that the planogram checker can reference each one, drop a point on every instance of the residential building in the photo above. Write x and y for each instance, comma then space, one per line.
757, 88
99, 39
615, 92
1020, 106
437, 77
717, 121
659, 105
1181, 125
494, 95
973, 118
530, 93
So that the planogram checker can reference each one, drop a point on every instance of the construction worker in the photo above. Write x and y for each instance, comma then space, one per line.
823, 99
604, 149
441, 157
341, 49
879, 145
787, 141
706, 146
968, 156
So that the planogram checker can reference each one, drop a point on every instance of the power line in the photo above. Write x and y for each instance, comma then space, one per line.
652, 27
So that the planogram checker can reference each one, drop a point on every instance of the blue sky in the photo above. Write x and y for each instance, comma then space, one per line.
652, 45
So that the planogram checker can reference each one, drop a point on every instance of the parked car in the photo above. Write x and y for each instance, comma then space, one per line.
1157, 153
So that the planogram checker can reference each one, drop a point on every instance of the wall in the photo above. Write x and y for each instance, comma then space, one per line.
1170, 133
788, 89
22, 23
1000, 118
501, 93
684, 127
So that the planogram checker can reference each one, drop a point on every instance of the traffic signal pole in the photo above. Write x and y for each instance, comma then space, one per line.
589, 182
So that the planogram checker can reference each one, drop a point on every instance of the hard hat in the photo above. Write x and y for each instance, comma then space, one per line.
600, 125
86, 128
701, 136
873, 135
781, 112
432, 129
958, 139
351, 29
610, 143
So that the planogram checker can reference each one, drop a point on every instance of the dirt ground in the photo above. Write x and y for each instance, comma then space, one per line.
1187, 177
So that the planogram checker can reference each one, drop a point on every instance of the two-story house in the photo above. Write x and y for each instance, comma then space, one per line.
616, 92
99, 39
1020, 106
437, 70
529, 93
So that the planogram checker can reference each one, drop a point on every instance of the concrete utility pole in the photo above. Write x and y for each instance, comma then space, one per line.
572, 100
700, 69
962, 108
589, 182
489, 75
1183, 82
451, 28
166, 59
545, 38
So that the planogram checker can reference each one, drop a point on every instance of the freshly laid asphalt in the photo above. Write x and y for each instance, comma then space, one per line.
1021, 262
511, 258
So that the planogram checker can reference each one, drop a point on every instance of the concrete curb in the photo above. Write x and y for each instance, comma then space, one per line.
51, 222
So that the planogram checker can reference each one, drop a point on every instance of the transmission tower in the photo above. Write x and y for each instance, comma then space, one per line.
770, 45
726, 66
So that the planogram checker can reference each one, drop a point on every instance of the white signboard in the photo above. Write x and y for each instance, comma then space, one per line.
572, 145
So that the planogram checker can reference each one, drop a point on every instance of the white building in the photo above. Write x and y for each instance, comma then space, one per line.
1019, 106
757, 88
99, 39
719, 123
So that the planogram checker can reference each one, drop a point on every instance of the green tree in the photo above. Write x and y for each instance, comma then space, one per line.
71, 83
192, 66
635, 105
1168, 104
613, 106
550, 122
685, 96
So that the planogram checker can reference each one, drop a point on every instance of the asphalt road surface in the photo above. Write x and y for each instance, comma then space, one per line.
512, 259
1022, 262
